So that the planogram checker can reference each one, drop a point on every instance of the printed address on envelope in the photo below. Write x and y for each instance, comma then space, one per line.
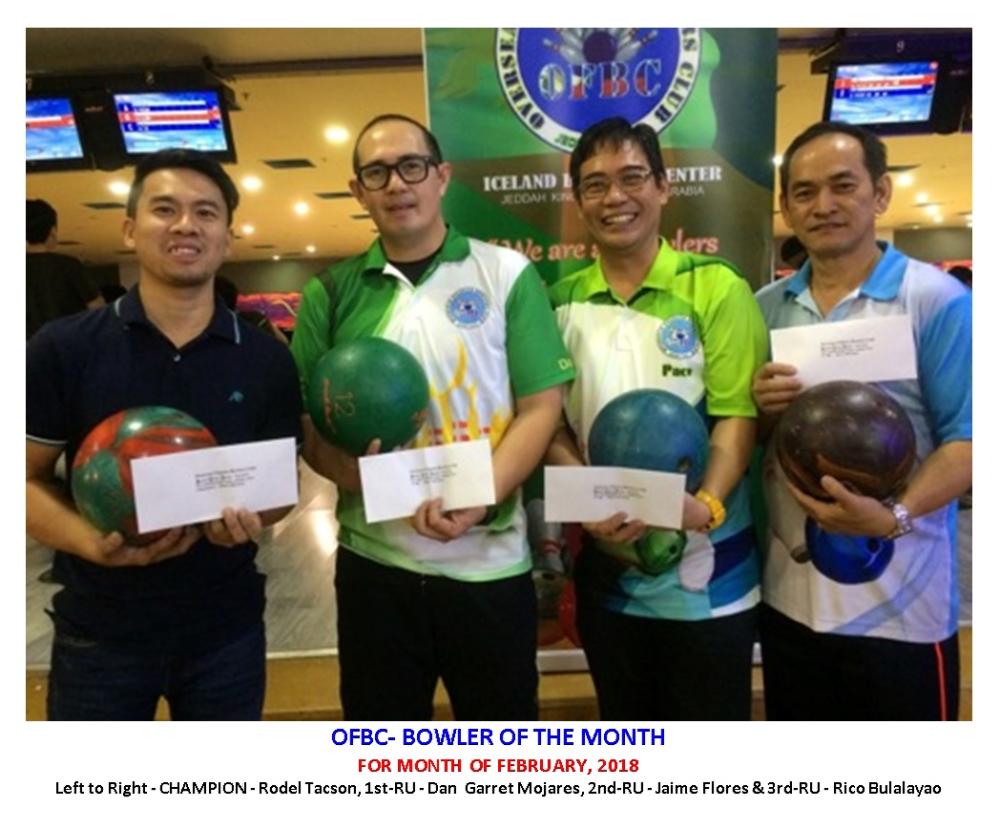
594, 493
395, 484
193, 486
877, 349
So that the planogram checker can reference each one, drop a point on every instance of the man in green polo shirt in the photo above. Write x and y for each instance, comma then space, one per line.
447, 594
675, 645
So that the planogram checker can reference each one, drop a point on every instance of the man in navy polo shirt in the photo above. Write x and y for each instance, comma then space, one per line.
182, 617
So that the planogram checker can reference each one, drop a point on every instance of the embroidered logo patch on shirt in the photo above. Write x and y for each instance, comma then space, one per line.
677, 337
468, 307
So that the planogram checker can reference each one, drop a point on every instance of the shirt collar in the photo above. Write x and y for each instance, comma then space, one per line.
223, 324
882, 283
455, 249
660, 274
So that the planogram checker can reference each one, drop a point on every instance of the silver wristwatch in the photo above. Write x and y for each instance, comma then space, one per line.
904, 523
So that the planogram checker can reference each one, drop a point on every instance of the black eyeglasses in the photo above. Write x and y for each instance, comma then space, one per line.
412, 169
630, 181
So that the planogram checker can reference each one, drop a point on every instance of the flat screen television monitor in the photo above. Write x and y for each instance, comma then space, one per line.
180, 119
891, 98
52, 137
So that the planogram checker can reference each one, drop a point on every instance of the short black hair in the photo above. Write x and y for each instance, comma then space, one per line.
187, 160
792, 250
433, 147
962, 273
40, 218
876, 160
614, 132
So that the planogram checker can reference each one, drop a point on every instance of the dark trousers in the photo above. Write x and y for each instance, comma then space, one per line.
655, 670
94, 680
399, 632
810, 676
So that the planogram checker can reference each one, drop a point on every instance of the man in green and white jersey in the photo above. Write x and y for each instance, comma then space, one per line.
675, 645
447, 594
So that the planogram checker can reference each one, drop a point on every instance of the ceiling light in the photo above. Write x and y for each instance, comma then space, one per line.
301, 208
777, 159
251, 183
921, 198
276, 257
336, 134
310, 248
118, 188
938, 219
904, 179
933, 209
247, 229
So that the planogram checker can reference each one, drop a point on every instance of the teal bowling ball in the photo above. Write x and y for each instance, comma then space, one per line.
653, 430
366, 389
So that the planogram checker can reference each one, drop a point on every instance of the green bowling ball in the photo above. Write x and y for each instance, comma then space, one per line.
365, 389
659, 551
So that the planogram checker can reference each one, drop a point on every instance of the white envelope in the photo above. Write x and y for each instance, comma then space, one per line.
575, 494
878, 349
194, 486
395, 484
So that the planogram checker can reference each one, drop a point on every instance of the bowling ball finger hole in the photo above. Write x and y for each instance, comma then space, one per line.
684, 465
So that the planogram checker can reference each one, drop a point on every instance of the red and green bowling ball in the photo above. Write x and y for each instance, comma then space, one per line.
852, 431
102, 472
365, 389
653, 430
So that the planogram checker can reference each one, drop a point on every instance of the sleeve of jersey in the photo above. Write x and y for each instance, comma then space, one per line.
735, 340
45, 403
944, 360
312, 331
536, 356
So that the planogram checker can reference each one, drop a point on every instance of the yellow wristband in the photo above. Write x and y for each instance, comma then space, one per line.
715, 507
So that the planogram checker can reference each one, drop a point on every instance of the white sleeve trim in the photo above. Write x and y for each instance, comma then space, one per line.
46, 441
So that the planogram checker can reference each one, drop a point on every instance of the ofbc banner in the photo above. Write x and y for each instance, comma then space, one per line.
508, 106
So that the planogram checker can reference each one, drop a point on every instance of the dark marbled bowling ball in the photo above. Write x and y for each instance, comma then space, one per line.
853, 432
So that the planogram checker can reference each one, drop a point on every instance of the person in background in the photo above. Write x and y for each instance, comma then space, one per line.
963, 274
793, 253
56, 285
